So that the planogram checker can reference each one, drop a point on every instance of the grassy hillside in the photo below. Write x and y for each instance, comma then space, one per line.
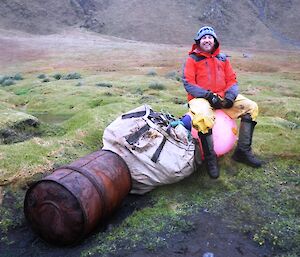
76, 84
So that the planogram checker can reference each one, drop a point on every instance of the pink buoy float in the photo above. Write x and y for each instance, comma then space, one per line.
224, 133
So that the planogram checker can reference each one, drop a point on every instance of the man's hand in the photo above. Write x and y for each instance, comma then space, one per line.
227, 103
214, 100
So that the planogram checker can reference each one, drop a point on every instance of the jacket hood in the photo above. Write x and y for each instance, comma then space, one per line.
196, 50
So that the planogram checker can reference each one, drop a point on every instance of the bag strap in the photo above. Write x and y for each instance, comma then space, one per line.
157, 153
134, 137
156, 117
133, 115
138, 114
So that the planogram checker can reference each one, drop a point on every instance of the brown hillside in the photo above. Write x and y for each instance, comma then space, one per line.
263, 23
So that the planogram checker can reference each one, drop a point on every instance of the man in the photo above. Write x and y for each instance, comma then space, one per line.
211, 84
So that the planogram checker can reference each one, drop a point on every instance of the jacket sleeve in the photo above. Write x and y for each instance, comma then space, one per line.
189, 80
232, 92
233, 87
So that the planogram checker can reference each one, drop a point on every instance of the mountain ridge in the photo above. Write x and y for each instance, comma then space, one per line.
261, 23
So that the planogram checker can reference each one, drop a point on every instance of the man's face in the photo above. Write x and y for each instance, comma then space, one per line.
207, 43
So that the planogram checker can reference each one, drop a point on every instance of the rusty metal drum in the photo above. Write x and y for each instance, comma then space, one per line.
68, 204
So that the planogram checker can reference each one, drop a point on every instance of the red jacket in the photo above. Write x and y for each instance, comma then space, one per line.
211, 72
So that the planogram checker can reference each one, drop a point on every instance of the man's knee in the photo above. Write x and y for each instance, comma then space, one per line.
202, 115
245, 105
253, 110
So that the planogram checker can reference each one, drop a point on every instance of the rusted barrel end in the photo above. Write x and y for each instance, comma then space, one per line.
65, 206
54, 213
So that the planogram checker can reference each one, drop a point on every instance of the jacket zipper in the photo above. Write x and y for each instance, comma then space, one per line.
208, 71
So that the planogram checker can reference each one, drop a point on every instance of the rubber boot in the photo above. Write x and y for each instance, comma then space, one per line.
243, 152
210, 157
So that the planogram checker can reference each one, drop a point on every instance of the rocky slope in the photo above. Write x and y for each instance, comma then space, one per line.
263, 23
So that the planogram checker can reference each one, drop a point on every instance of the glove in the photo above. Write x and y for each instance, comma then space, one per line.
214, 100
227, 103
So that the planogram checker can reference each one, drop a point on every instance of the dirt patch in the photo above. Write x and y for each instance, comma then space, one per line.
19, 132
70, 50
207, 233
